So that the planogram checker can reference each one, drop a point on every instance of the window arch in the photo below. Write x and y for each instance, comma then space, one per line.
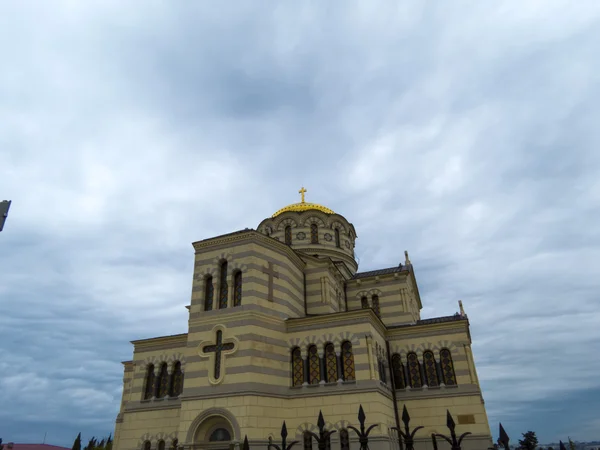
348, 361
223, 286
161, 445
297, 367
307, 440
364, 303
375, 303
314, 234
314, 365
176, 380
237, 288
288, 235
147, 445
398, 372
209, 292
337, 238
162, 385
149, 390
414, 370
430, 369
447, 367
344, 439
330, 364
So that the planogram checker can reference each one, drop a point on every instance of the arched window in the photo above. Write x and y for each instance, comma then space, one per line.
430, 369
176, 380
414, 371
314, 365
297, 367
330, 364
364, 303
375, 303
162, 385
219, 435
149, 390
307, 440
174, 444
348, 361
161, 445
314, 234
344, 439
447, 367
147, 445
337, 238
209, 291
288, 235
398, 372
223, 286
237, 289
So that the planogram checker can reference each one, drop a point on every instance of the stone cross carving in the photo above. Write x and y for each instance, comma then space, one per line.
220, 350
271, 272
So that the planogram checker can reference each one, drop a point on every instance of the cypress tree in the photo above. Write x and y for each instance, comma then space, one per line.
77, 443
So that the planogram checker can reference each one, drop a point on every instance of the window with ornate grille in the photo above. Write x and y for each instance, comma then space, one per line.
314, 365
209, 291
430, 369
176, 380
307, 441
149, 390
447, 367
398, 372
330, 364
223, 286
344, 439
348, 362
161, 445
288, 235
147, 445
314, 234
375, 303
297, 367
163, 381
364, 303
414, 371
237, 289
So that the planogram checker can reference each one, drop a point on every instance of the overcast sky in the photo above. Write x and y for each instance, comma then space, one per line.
464, 132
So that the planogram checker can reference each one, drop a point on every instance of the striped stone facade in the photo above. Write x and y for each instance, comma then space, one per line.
291, 287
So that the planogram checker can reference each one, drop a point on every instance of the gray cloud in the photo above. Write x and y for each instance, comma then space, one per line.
465, 134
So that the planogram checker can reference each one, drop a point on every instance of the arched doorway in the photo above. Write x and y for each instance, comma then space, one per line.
213, 433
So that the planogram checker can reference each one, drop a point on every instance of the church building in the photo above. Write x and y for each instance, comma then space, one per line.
282, 325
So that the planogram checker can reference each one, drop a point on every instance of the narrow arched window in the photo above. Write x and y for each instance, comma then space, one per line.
314, 234
297, 367
209, 291
237, 289
223, 292
398, 372
337, 238
288, 235
330, 364
348, 361
174, 444
414, 371
344, 439
430, 369
447, 367
375, 304
364, 303
307, 440
161, 445
314, 365
149, 390
176, 380
162, 385
147, 445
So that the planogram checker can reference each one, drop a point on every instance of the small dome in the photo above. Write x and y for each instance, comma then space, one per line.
303, 206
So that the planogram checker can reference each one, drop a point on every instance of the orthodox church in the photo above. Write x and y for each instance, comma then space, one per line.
282, 325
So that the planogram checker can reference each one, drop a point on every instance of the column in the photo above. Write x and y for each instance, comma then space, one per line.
169, 379
230, 291
304, 355
370, 357
321, 351
156, 384
340, 368
422, 368
438, 367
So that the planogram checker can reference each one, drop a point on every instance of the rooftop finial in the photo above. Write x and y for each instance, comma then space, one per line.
462, 310
302, 192
406, 259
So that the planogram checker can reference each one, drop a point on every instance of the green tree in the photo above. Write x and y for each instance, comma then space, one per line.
77, 443
529, 441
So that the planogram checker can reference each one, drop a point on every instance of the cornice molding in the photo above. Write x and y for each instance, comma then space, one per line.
462, 325
175, 340
368, 315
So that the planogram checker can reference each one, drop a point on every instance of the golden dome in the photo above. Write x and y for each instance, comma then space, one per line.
303, 206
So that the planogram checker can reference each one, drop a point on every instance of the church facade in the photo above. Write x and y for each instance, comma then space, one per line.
281, 326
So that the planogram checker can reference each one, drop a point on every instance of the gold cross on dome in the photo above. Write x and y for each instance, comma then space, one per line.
301, 192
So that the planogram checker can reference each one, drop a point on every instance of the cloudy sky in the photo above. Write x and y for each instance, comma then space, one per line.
464, 132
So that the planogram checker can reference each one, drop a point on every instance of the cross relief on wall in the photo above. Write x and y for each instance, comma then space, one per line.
216, 350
